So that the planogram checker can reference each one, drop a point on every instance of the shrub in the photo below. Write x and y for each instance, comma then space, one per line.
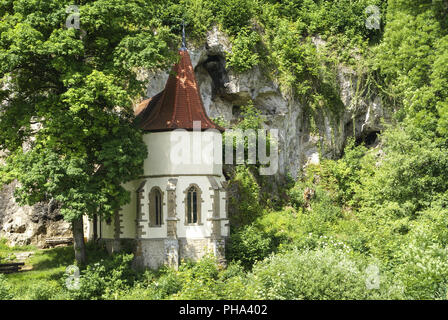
424, 271
200, 280
105, 278
234, 282
412, 174
281, 227
5, 289
169, 283
198, 15
244, 56
246, 201
44, 290
421, 262
325, 273
139, 292
248, 245
342, 177
235, 14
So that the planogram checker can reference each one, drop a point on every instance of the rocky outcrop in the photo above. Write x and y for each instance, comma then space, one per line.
23, 225
224, 92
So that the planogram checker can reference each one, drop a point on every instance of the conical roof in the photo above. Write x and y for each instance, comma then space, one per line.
178, 105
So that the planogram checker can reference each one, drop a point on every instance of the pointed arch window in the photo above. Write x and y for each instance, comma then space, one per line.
193, 205
155, 207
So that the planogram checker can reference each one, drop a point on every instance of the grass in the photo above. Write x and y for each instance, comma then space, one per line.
45, 279
7, 253
4, 247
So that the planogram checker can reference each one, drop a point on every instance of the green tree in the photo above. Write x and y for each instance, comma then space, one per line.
66, 113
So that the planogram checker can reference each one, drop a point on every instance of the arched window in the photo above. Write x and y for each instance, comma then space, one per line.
155, 207
193, 205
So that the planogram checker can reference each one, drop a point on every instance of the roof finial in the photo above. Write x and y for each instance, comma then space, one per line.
184, 42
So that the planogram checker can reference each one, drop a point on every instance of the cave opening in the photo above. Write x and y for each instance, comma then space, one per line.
369, 139
216, 68
236, 111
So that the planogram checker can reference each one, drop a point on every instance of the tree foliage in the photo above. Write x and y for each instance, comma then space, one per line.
66, 116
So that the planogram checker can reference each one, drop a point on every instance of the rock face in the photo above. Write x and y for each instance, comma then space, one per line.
224, 92
29, 224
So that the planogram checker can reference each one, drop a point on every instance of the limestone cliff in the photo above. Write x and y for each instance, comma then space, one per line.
23, 225
223, 92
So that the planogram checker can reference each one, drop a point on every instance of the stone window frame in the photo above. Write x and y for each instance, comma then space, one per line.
199, 202
139, 221
151, 213
140, 195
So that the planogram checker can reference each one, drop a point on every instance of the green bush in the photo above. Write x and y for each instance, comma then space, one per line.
280, 226
421, 261
235, 14
169, 283
244, 56
44, 290
248, 245
105, 278
139, 292
325, 273
423, 270
343, 176
198, 16
245, 204
411, 175
5, 289
200, 280
153, 285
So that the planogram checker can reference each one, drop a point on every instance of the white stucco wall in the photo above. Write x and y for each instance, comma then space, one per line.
128, 212
88, 228
154, 232
183, 152
127, 215
184, 231
199, 160
106, 230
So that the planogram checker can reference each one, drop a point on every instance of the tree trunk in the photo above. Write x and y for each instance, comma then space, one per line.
95, 227
78, 237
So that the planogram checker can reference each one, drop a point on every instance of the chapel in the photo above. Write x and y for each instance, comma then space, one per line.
178, 208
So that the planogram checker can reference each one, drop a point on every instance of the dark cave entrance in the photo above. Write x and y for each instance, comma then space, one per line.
216, 68
369, 139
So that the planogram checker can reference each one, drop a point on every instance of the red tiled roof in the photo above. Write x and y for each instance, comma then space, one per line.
178, 105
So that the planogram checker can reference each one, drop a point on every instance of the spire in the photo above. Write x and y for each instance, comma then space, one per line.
184, 43
179, 105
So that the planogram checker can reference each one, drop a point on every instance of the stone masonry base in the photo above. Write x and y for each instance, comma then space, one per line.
154, 253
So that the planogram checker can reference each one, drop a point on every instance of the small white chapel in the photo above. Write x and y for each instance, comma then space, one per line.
178, 209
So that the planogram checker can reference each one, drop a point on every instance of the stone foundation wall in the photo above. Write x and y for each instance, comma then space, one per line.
23, 225
121, 245
194, 249
149, 253
154, 253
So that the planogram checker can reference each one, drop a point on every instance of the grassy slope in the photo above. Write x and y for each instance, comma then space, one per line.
47, 267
